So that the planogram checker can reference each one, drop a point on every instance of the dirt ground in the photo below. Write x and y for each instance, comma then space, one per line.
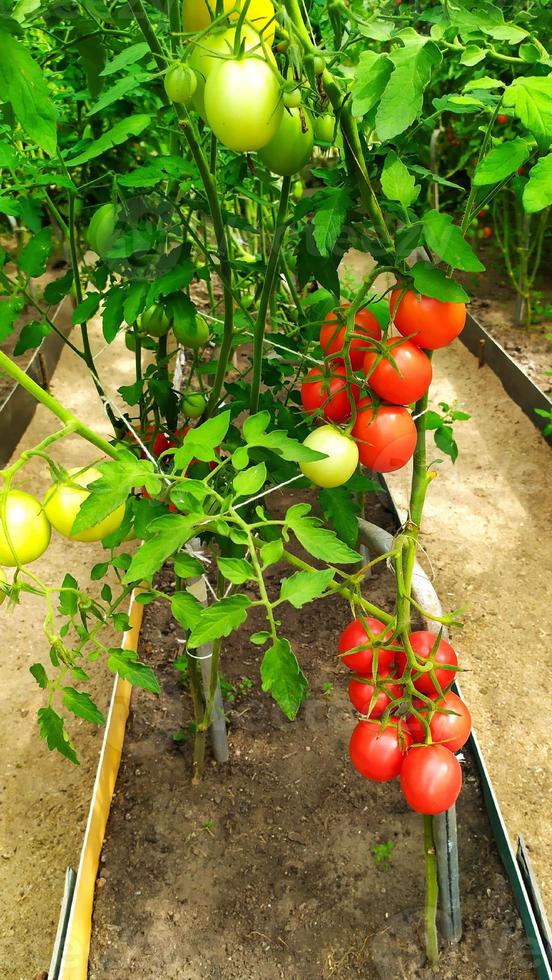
44, 799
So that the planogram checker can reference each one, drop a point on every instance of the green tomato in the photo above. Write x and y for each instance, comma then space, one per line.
243, 103
64, 500
297, 191
318, 64
180, 83
342, 455
193, 404
101, 230
154, 322
324, 129
210, 50
192, 333
28, 530
290, 149
292, 97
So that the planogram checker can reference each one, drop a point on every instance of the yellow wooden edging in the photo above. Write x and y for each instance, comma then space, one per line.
74, 964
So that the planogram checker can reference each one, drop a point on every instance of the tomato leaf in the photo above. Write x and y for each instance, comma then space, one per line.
236, 570
219, 619
282, 676
201, 443
31, 336
178, 277
52, 728
340, 510
317, 540
529, 98
431, 281
40, 675
55, 291
87, 309
22, 85
402, 100
186, 609
272, 552
82, 705
397, 183
501, 162
125, 663
112, 316
186, 566
446, 240
128, 56
68, 600
9, 313
329, 218
118, 134
537, 193
153, 553
303, 587
250, 481
371, 76
118, 91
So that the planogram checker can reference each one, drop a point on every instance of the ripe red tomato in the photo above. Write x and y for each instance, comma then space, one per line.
332, 334
422, 642
326, 390
365, 635
406, 380
362, 689
427, 322
386, 436
378, 753
502, 119
487, 232
431, 779
450, 730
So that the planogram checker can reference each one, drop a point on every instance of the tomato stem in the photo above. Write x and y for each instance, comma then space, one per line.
432, 892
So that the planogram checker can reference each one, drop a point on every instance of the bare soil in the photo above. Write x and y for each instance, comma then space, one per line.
267, 870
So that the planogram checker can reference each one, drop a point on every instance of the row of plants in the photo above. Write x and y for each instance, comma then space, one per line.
163, 149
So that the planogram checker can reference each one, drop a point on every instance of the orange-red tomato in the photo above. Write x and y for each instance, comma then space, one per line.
450, 730
428, 323
325, 390
332, 334
362, 690
386, 436
431, 779
405, 380
378, 753
360, 637
445, 662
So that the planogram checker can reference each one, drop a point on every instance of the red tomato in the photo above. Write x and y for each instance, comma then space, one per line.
428, 323
386, 436
431, 779
450, 730
361, 692
521, 171
327, 391
378, 753
502, 119
365, 635
487, 232
422, 642
482, 214
332, 335
403, 382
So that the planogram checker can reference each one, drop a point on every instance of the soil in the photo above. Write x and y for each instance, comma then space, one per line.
267, 869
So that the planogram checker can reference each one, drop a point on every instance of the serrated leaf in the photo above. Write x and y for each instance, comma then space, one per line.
431, 281
319, 541
186, 566
446, 240
34, 257
119, 133
153, 553
329, 218
40, 675
87, 309
220, 619
537, 193
82, 705
340, 510
501, 162
282, 676
371, 76
31, 336
397, 183
112, 315
272, 552
248, 482
125, 663
255, 425
472, 55
118, 90
55, 291
52, 728
530, 99
178, 277
402, 100
202, 441
186, 609
303, 587
236, 570
22, 85
128, 56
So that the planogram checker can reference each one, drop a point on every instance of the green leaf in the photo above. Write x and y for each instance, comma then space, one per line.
22, 85
9, 206
112, 316
236, 570
529, 98
259, 639
537, 193
272, 552
9, 313
485, 82
179, 277
40, 675
311, 265
186, 566
472, 55
501, 162
153, 553
52, 728
303, 587
444, 440
282, 676
87, 309
329, 219
55, 291
186, 609
119, 133
68, 598
120, 89
125, 663
402, 101
81, 704
219, 619
318, 541
34, 257
202, 441
340, 510
371, 76
128, 56
446, 240
255, 425
431, 281
397, 183
248, 482
31, 336
460, 104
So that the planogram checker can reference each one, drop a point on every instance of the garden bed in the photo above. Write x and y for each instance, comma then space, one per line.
275, 866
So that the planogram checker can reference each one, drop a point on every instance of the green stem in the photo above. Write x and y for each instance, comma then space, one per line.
432, 892
268, 286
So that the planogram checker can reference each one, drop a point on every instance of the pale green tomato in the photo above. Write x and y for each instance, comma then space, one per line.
27, 526
180, 83
101, 230
290, 149
191, 332
193, 405
342, 455
210, 50
324, 129
243, 103
64, 500
154, 322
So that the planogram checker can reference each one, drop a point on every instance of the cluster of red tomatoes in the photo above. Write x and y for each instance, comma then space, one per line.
383, 376
419, 746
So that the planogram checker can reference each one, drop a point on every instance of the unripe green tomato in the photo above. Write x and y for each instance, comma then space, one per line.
193, 404
180, 83
154, 322
324, 129
291, 148
292, 97
146, 342
101, 230
194, 334
297, 190
319, 64
341, 453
